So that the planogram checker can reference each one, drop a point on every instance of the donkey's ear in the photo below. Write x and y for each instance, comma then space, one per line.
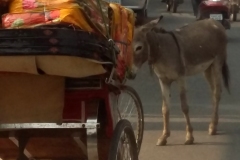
156, 21
160, 18
151, 24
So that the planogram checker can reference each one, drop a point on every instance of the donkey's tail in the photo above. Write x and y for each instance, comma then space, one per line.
226, 76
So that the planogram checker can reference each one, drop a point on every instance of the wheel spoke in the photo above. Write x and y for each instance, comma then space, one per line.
123, 146
129, 107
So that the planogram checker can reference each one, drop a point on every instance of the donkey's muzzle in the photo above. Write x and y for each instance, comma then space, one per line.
131, 76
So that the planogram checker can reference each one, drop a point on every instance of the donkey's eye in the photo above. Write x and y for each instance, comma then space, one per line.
138, 48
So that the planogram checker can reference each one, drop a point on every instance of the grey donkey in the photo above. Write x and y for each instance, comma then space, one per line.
174, 55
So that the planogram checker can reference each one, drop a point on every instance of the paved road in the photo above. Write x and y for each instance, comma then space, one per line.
226, 145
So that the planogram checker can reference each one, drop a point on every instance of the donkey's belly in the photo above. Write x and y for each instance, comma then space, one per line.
191, 70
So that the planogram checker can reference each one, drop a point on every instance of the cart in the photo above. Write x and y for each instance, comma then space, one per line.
112, 125
61, 98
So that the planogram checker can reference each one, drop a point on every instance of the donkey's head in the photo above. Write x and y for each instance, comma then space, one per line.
140, 45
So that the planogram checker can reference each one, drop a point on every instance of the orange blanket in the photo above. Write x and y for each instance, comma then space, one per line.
122, 26
31, 13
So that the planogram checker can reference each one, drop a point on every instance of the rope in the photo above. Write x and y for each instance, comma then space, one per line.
104, 20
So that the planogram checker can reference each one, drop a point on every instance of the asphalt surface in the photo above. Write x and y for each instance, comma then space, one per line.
225, 145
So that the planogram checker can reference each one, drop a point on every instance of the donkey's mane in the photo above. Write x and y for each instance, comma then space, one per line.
153, 56
159, 30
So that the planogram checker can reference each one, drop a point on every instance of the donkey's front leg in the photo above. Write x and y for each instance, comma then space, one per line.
165, 87
185, 110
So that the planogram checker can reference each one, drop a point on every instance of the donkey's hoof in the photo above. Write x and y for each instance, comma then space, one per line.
212, 132
161, 142
189, 142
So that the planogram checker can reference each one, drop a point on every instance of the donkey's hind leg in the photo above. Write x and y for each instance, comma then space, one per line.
213, 76
165, 87
185, 110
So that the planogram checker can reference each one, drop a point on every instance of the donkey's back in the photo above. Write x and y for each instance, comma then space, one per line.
201, 43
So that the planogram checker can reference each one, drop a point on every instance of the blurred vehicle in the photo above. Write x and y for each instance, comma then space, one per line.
138, 6
219, 10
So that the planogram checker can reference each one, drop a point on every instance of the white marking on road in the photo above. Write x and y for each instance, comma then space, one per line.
196, 120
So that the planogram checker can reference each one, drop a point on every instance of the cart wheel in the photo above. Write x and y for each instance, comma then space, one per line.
130, 107
123, 145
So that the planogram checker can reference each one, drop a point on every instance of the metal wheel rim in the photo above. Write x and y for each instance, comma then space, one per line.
124, 150
136, 126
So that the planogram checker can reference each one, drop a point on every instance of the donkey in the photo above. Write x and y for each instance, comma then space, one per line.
174, 55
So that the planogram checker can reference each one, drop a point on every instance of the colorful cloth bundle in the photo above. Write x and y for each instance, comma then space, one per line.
31, 13
106, 19
122, 28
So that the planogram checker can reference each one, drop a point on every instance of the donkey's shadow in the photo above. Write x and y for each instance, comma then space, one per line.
202, 143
